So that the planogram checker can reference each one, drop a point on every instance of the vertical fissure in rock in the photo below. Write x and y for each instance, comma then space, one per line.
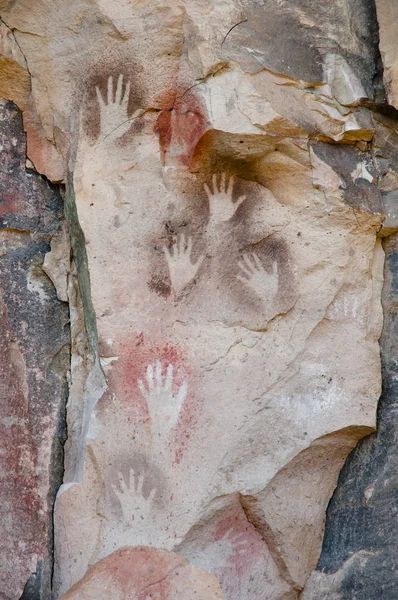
84, 397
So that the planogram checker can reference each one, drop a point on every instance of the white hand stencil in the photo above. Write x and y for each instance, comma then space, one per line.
181, 268
222, 206
164, 405
264, 284
114, 120
135, 506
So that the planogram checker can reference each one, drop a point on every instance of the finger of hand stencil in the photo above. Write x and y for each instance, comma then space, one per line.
227, 534
121, 480
244, 268
140, 484
239, 201
199, 262
110, 90
126, 97
182, 243
142, 389
169, 378
132, 478
167, 253
242, 279
275, 269
223, 183
152, 495
239, 537
207, 190
257, 262
250, 264
214, 180
123, 485
119, 86
99, 97
117, 492
182, 393
231, 185
149, 377
158, 374
189, 245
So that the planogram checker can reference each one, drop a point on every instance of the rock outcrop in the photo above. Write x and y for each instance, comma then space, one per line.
142, 572
230, 174
34, 361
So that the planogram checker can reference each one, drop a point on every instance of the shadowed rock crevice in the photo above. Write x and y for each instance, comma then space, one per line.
87, 381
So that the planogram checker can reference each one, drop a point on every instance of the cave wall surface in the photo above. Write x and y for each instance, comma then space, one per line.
197, 200
34, 361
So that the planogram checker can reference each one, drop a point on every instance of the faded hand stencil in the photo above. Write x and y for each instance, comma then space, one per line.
164, 404
137, 524
264, 284
132, 500
181, 268
232, 543
221, 203
114, 119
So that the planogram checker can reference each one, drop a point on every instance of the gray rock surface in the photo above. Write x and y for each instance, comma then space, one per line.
34, 361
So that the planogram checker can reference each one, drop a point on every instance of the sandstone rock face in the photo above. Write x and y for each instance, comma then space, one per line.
135, 573
229, 170
34, 359
387, 13
358, 556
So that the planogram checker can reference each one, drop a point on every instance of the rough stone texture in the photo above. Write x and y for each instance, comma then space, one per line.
228, 167
387, 14
358, 558
34, 359
144, 573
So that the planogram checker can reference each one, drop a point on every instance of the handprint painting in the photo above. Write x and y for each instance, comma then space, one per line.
114, 120
207, 338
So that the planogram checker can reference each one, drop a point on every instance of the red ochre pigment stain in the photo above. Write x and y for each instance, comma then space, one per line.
145, 572
185, 427
135, 355
8, 205
20, 489
180, 128
245, 541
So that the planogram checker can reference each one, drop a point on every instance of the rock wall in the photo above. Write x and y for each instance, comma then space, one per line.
228, 177
34, 361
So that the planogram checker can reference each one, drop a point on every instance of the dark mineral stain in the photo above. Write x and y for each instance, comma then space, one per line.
160, 287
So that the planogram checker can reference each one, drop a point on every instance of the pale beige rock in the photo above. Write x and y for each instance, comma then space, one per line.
387, 15
275, 513
132, 573
231, 294
42, 152
329, 585
14, 76
305, 392
70, 543
57, 263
